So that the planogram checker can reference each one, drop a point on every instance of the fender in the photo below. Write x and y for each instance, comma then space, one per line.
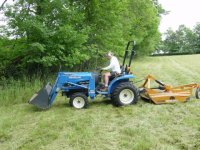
118, 80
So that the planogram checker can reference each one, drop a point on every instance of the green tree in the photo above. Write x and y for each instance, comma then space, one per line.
197, 38
53, 32
170, 42
180, 41
144, 22
69, 32
185, 39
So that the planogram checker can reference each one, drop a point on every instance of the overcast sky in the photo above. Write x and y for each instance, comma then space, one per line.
185, 12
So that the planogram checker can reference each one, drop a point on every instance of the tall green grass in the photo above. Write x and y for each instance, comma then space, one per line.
18, 91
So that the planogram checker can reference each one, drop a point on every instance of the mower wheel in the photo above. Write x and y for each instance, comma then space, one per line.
197, 93
78, 100
125, 94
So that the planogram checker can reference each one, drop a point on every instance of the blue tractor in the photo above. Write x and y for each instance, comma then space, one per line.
79, 86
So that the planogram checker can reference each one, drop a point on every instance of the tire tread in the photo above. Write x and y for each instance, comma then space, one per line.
78, 94
119, 88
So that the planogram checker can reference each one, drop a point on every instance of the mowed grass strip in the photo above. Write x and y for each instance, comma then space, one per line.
102, 126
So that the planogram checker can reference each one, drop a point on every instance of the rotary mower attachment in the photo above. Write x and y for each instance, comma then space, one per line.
166, 93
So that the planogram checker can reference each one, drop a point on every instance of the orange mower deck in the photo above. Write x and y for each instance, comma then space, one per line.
166, 93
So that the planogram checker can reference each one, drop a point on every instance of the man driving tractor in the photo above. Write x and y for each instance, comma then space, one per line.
114, 68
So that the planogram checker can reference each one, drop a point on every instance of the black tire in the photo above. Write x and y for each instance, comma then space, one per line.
197, 93
78, 100
141, 92
127, 91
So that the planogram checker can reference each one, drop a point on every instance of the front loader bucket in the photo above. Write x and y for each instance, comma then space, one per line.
41, 98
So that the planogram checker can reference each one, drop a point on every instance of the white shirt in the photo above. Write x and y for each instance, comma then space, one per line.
114, 65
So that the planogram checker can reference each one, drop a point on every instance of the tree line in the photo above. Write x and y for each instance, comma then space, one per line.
42, 35
182, 41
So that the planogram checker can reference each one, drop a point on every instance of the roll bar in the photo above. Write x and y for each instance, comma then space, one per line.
133, 43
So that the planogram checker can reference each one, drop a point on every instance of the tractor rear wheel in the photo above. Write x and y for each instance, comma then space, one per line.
78, 100
197, 93
125, 94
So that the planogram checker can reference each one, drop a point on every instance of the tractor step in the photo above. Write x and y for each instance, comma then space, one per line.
41, 98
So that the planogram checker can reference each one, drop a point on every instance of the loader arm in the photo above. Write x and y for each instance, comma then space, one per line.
59, 86
67, 82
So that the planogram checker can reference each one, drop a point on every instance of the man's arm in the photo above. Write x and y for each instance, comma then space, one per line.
109, 67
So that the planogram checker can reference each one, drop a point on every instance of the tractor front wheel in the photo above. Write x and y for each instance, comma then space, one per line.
78, 100
125, 94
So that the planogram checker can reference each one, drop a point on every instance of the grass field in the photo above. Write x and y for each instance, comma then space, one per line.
142, 126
